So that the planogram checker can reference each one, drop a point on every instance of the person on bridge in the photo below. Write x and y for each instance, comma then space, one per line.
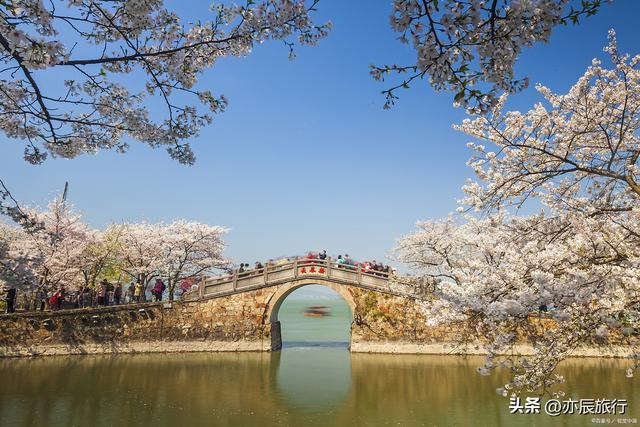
366, 267
322, 255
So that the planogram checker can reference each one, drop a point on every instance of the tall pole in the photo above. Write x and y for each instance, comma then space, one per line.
64, 193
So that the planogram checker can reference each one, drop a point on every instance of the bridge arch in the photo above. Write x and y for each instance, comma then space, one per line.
283, 291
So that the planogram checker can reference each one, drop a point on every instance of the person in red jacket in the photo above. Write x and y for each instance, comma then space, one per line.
158, 289
56, 300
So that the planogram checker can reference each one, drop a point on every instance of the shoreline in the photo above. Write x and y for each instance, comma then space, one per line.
241, 346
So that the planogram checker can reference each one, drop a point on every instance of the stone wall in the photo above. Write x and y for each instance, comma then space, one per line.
382, 323
393, 324
239, 322
231, 323
386, 323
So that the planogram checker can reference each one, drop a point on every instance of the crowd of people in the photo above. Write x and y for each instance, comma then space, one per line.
107, 294
341, 261
102, 295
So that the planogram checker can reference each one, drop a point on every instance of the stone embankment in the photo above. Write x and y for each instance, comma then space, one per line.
246, 321
229, 324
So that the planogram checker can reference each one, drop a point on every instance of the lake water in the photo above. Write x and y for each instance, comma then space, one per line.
313, 381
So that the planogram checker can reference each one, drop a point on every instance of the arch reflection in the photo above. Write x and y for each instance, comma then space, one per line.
314, 366
314, 378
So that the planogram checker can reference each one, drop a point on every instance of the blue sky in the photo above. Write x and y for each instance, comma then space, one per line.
305, 158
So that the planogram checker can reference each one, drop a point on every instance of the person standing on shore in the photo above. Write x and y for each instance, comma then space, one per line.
56, 300
102, 292
41, 296
85, 297
62, 293
10, 300
117, 293
137, 293
130, 294
158, 289
53, 301
108, 297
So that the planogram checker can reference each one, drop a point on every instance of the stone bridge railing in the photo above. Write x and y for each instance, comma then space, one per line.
323, 270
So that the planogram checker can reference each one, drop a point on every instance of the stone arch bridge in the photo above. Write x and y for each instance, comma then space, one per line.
236, 312
373, 297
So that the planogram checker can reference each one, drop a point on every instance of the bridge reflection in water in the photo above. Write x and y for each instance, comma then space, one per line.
313, 378
314, 366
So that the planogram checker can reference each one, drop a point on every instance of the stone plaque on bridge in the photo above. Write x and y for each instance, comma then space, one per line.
312, 270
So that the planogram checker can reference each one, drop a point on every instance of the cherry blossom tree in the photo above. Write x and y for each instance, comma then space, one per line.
63, 90
139, 251
190, 249
173, 251
51, 253
67, 252
581, 154
59, 245
470, 47
496, 272
15, 265
99, 255
578, 157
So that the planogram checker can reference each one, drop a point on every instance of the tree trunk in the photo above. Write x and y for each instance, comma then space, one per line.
172, 287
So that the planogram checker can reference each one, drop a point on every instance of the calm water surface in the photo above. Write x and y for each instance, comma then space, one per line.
314, 381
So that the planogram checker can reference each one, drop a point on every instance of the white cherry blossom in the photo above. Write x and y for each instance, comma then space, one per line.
470, 47
577, 156
88, 46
